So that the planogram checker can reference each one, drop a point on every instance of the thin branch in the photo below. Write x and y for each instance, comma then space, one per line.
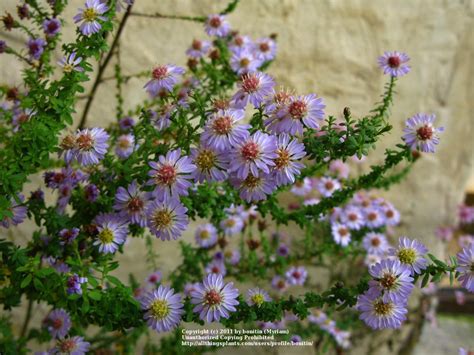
103, 66
27, 318
170, 17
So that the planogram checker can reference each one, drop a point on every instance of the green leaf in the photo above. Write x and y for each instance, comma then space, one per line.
95, 295
26, 281
114, 280
425, 280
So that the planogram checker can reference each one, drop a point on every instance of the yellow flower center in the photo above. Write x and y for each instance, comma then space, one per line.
68, 68
159, 309
407, 256
205, 160
106, 236
258, 299
90, 15
382, 309
204, 234
162, 219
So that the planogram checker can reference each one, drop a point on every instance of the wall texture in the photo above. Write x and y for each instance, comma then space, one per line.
328, 47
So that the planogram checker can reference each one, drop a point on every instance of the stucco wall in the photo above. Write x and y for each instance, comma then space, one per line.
328, 47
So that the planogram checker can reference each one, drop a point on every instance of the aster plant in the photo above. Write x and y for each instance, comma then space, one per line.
217, 143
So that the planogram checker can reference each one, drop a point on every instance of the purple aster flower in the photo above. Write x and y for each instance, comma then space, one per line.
445, 233
167, 219
217, 25
91, 145
296, 339
394, 63
411, 253
232, 225
300, 111
341, 234
65, 192
71, 63
51, 27
112, 232
232, 256
302, 188
276, 103
254, 188
375, 243
327, 186
214, 299
74, 283
283, 250
36, 47
465, 240
256, 296
91, 193
265, 48
223, 131
126, 123
154, 278
279, 283
20, 117
296, 275
58, 323
420, 133
286, 166
216, 267
125, 145
466, 267
19, 212
244, 61
3, 46
391, 214
206, 235
210, 164
74, 346
94, 9
466, 214
198, 49
67, 236
189, 287
163, 309
352, 217
253, 87
240, 42
339, 168
170, 174
374, 217
164, 77
60, 266
253, 155
392, 281
132, 202
379, 314
161, 119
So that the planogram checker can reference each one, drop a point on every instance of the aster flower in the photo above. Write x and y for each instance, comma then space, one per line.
445, 233
19, 212
214, 299
295, 338
300, 111
74, 283
167, 219
217, 25
210, 164
254, 154
58, 323
112, 232
60, 266
67, 236
352, 217
279, 283
232, 256
254, 188
257, 296
198, 49
420, 133
465, 240
392, 281
91, 193
265, 48
394, 63
36, 47
286, 166
466, 267
190, 287
170, 174
302, 187
276, 103
222, 130
253, 87
240, 42
216, 267
94, 9
163, 309
374, 217
126, 123
327, 186
51, 27
3, 46
74, 346
125, 145
379, 314
132, 202
283, 250
244, 61
391, 214
339, 168
91, 145
466, 214
296, 275
161, 119
206, 235
232, 225
154, 278
411, 253
164, 77
341, 234
375, 243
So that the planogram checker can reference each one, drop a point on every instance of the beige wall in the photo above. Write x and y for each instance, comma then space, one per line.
331, 47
